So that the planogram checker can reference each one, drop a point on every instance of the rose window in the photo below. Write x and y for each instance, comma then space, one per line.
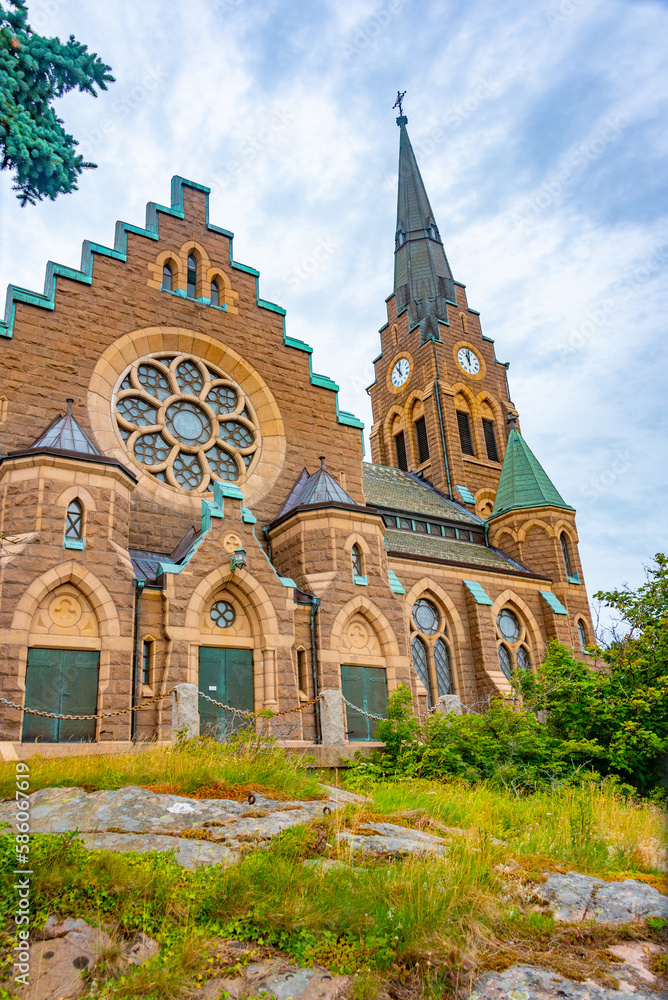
185, 422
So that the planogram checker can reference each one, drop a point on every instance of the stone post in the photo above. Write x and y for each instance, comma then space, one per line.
332, 726
449, 703
185, 710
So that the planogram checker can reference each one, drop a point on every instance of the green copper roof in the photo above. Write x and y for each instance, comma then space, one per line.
524, 482
422, 276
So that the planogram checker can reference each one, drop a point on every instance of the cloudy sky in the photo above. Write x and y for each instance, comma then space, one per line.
541, 133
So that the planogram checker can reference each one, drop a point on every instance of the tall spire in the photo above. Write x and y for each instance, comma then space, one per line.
524, 482
422, 276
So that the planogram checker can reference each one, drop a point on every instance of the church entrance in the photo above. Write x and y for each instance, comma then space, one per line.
63, 681
226, 675
365, 687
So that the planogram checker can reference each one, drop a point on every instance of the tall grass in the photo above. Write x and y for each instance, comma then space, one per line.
593, 828
187, 767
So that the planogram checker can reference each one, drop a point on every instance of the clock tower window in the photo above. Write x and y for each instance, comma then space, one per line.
465, 438
422, 440
490, 440
400, 447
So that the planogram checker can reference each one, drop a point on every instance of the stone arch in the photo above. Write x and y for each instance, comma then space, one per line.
395, 420
176, 264
76, 493
535, 522
426, 587
485, 398
244, 588
153, 340
228, 297
192, 247
484, 501
468, 403
381, 626
509, 596
568, 528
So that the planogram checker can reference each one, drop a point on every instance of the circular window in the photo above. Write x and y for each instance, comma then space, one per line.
426, 617
523, 658
508, 625
222, 614
505, 662
185, 422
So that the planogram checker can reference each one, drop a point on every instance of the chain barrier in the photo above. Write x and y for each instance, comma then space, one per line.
259, 715
369, 715
82, 718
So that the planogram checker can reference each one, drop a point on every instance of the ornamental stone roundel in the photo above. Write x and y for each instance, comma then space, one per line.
182, 410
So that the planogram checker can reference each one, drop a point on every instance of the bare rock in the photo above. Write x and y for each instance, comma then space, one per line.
574, 897
524, 982
140, 949
389, 838
57, 963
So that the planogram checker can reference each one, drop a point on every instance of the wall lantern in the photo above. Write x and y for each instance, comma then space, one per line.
238, 560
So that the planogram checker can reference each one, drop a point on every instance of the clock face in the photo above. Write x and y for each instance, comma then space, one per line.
400, 372
468, 360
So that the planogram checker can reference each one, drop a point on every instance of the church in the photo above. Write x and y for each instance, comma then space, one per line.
183, 500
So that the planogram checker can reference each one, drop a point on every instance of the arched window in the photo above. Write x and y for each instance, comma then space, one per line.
442, 667
420, 665
582, 632
505, 662
215, 293
192, 276
465, 436
422, 440
74, 520
432, 650
167, 278
513, 643
565, 548
400, 445
356, 556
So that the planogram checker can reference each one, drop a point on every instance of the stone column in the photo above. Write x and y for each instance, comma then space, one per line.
331, 719
185, 710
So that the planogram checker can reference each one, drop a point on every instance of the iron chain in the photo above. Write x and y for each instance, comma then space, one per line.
379, 718
81, 718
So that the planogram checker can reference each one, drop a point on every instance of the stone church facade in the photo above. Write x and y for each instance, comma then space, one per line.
183, 500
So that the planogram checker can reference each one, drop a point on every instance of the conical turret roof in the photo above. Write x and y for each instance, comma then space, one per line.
315, 489
523, 482
422, 277
64, 433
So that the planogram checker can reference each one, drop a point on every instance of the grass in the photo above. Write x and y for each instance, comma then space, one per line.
202, 768
429, 924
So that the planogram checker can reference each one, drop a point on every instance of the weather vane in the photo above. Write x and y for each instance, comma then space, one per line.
397, 103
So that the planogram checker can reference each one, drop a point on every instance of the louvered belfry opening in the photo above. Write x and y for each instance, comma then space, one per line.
465, 438
422, 440
490, 440
400, 445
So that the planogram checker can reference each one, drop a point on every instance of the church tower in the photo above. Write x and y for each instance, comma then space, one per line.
440, 400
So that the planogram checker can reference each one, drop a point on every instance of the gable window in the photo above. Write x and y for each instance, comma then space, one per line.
167, 278
490, 440
400, 445
357, 561
465, 433
192, 276
565, 548
513, 643
215, 293
147, 653
422, 440
432, 650
74, 521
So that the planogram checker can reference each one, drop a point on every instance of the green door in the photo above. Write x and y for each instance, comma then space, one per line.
225, 675
365, 687
63, 681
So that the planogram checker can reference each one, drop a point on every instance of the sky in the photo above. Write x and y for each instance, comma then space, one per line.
540, 131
